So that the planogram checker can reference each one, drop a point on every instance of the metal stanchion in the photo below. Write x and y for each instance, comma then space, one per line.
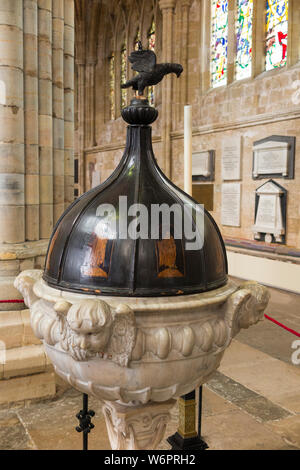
187, 437
85, 424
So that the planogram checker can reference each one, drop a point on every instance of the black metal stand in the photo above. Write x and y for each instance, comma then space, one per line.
179, 442
85, 424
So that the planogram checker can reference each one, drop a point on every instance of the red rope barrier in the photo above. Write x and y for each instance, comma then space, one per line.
282, 326
12, 301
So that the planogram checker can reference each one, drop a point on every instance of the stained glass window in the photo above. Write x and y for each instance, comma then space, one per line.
244, 39
151, 47
219, 42
123, 75
276, 33
112, 85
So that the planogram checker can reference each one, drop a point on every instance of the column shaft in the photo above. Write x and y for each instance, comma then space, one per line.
69, 101
45, 117
12, 213
31, 119
167, 7
58, 108
90, 105
185, 12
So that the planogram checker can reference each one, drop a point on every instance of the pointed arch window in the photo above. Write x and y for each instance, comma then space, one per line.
219, 42
123, 74
151, 47
244, 21
276, 33
112, 82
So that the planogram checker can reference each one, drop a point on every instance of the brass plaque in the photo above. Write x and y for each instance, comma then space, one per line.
204, 194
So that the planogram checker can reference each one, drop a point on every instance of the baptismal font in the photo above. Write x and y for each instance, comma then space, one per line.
134, 318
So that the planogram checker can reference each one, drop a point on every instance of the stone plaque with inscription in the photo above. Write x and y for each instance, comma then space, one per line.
270, 210
203, 166
231, 204
231, 159
274, 156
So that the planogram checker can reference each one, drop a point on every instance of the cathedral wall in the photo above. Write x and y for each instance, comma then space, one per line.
266, 104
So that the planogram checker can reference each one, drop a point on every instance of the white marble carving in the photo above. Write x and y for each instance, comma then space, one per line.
138, 350
269, 219
271, 158
135, 427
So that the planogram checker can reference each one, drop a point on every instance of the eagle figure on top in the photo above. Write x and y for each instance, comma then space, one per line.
150, 73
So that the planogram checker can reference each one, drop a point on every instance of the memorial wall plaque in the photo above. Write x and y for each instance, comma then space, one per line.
231, 204
96, 176
231, 159
270, 213
274, 157
203, 166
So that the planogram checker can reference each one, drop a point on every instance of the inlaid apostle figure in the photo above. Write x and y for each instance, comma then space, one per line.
150, 73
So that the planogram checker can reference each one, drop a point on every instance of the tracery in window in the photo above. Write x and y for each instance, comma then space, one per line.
244, 39
151, 47
112, 85
219, 42
276, 33
123, 75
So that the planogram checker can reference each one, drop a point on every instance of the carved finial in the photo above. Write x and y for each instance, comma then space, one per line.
150, 73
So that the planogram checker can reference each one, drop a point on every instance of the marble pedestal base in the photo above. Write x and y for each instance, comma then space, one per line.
136, 427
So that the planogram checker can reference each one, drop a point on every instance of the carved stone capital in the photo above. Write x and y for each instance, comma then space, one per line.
137, 427
186, 4
167, 4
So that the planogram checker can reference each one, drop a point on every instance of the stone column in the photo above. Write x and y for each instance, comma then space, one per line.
185, 13
167, 8
205, 47
80, 73
231, 53
69, 101
31, 120
58, 108
12, 213
81, 127
45, 117
36, 131
258, 38
90, 104
12, 164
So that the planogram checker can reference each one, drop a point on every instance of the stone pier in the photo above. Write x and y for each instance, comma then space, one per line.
36, 130
36, 166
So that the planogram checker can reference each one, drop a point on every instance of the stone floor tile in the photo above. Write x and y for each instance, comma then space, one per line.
12, 433
213, 404
269, 377
248, 400
288, 429
52, 425
238, 431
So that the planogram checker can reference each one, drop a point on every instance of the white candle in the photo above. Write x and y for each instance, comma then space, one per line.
188, 149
